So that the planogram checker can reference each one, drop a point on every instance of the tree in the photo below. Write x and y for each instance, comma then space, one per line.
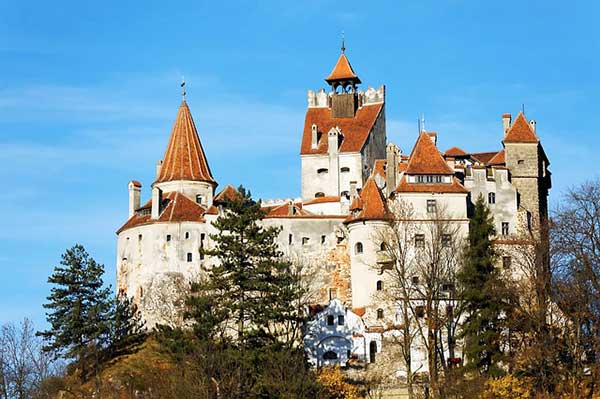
79, 308
483, 294
125, 327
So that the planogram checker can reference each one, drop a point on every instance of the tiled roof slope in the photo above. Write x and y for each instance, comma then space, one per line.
455, 152
177, 208
454, 187
372, 204
228, 193
520, 131
184, 158
484, 157
355, 130
498, 159
342, 71
426, 159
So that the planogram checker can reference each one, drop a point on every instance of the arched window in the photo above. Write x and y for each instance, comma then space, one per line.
382, 246
358, 248
322, 171
492, 198
379, 314
330, 355
379, 285
319, 194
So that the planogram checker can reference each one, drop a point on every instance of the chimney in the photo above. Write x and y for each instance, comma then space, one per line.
333, 140
506, 121
433, 137
158, 167
135, 188
353, 191
291, 208
532, 124
314, 136
391, 170
156, 202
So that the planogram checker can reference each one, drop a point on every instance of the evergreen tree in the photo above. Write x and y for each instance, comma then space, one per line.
126, 327
483, 294
79, 308
252, 290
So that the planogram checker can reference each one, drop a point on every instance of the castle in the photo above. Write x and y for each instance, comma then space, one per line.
353, 179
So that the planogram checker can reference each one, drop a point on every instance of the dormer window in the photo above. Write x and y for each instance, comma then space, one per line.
322, 171
319, 194
429, 179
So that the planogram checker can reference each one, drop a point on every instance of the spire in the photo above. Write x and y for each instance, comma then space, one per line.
520, 131
425, 158
342, 71
184, 158
343, 43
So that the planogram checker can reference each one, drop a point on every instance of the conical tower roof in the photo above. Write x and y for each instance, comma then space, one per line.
184, 158
342, 71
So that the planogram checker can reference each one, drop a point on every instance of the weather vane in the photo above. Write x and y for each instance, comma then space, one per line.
343, 43
183, 87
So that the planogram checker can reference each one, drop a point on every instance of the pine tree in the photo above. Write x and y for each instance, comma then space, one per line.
483, 294
78, 308
252, 289
126, 327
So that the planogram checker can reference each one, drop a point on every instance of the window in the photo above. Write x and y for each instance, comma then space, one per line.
323, 238
340, 320
420, 240
330, 355
529, 220
506, 261
290, 239
345, 194
379, 285
345, 169
420, 311
330, 320
199, 199
319, 195
305, 240
382, 246
446, 240
139, 237
187, 235
492, 198
415, 280
448, 287
430, 206
521, 162
332, 293
168, 237
358, 248
189, 256
322, 171
379, 314
429, 179
202, 237
504, 228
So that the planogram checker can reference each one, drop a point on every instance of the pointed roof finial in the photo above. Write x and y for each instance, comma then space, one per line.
423, 123
183, 88
523, 108
343, 43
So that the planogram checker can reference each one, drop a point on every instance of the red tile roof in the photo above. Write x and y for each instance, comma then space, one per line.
184, 158
359, 311
455, 152
379, 167
454, 187
177, 208
355, 130
342, 71
372, 204
136, 183
228, 193
320, 200
284, 210
484, 157
498, 159
520, 131
425, 159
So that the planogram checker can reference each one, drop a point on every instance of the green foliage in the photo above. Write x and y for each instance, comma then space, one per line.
126, 327
483, 293
79, 306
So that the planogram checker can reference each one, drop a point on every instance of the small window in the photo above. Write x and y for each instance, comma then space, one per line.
305, 240
322, 171
345, 194
358, 248
187, 235
420, 240
290, 239
202, 237
379, 285
168, 237
332, 293
448, 287
345, 169
330, 355
382, 246
379, 314
492, 198
430, 206
330, 320
199, 199
340, 320
506, 262
420, 311
446, 240
139, 237
521, 162
415, 280
319, 195
504, 228
323, 238
189, 256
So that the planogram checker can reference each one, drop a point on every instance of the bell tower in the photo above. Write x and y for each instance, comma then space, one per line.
343, 82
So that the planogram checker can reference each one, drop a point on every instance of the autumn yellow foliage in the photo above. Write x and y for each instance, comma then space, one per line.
332, 380
508, 387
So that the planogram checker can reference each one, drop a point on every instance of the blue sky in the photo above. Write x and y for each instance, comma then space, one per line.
89, 91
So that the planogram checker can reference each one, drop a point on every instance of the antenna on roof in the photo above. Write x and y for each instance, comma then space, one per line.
183, 88
343, 43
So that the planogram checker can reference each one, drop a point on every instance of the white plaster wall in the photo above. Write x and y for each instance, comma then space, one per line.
190, 189
313, 182
326, 208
